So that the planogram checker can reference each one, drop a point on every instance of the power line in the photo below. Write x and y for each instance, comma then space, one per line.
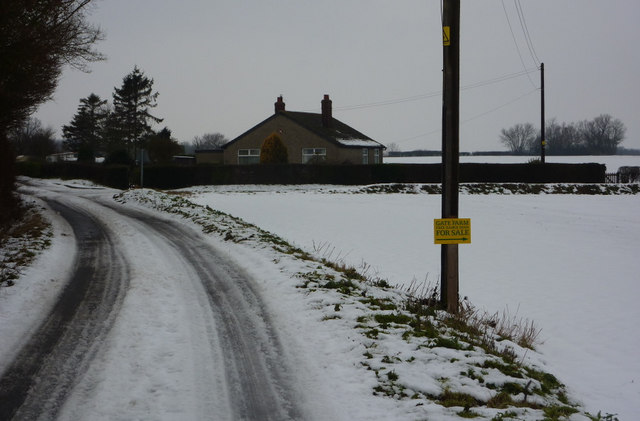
500, 106
475, 117
499, 79
513, 35
525, 30
389, 102
435, 93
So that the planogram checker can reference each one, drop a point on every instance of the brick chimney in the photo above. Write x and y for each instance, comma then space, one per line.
327, 118
279, 105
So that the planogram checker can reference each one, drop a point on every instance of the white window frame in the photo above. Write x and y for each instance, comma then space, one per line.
248, 156
314, 155
376, 156
365, 156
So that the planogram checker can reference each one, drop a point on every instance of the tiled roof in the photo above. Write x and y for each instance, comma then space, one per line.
339, 132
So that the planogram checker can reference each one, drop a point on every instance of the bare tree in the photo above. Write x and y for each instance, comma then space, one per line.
519, 138
33, 139
37, 38
209, 141
603, 134
565, 138
392, 148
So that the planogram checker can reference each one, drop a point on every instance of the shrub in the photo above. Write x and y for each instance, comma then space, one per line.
273, 151
449, 399
9, 203
386, 319
118, 157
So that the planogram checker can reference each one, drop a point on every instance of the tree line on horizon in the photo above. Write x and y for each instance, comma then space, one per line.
116, 131
599, 136
37, 40
120, 130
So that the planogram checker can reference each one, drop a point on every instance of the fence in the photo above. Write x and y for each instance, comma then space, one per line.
624, 175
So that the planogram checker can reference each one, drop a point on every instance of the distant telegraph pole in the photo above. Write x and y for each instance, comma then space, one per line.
543, 142
450, 147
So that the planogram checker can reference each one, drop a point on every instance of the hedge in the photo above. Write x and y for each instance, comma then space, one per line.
116, 176
180, 176
177, 176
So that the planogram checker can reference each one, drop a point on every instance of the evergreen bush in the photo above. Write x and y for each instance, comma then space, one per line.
118, 157
273, 151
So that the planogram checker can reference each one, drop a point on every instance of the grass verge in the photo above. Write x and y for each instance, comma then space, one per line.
21, 242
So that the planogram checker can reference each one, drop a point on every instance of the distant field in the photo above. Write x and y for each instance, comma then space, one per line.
613, 162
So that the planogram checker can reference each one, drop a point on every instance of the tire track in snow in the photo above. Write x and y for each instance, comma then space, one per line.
257, 379
35, 385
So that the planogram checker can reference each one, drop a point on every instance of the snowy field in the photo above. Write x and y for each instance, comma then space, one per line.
568, 262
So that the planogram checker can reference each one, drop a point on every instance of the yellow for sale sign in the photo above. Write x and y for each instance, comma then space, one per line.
452, 231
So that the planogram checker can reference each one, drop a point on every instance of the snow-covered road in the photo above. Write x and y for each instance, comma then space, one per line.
37, 381
177, 333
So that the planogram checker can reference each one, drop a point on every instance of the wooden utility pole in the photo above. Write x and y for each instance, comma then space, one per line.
543, 142
450, 147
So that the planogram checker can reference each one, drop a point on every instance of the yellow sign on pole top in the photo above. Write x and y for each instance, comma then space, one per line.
452, 231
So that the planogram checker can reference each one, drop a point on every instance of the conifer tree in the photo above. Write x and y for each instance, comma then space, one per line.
85, 132
132, 103
162, 147
273, 151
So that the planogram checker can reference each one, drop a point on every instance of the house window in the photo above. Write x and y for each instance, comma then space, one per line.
365, 156
248, 156
314, 155
376, 156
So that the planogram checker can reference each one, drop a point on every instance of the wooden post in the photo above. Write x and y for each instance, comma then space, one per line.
543, 142
450, 148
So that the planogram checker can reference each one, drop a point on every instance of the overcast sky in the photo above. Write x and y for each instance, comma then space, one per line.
220, 65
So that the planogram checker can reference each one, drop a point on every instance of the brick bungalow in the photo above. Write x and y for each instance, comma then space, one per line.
308, 137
